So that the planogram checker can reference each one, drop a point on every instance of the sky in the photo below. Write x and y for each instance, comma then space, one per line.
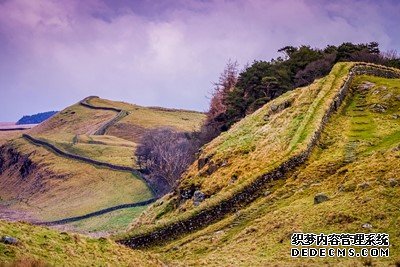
162, 53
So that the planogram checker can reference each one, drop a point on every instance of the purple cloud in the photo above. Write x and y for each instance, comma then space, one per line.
165, 53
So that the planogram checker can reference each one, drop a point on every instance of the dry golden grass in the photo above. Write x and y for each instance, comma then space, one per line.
9, 135
45, 247
360, 192
141, 119
253, 146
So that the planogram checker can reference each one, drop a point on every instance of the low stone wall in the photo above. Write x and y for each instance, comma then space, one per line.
97, 213
85, 103
103, 129
252, 191
78, 157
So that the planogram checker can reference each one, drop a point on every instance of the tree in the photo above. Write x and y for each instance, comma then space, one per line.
164, 155
215, 121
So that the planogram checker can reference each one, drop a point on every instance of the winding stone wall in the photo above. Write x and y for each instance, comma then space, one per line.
103, 129
99, 212
252, 191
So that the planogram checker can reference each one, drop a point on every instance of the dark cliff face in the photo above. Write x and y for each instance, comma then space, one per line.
14, 161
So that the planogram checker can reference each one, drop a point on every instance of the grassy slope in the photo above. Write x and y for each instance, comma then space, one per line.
71, 188
70, 130
141, 119
9, 135
44, 246
59, 187
358, 154
251, 147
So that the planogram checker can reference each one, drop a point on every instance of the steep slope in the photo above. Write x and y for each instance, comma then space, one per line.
355, 163
246, 163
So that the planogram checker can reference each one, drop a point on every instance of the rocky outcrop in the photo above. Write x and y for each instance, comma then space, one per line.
11, 158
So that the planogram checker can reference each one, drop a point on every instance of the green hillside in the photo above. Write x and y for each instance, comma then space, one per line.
354, 161
50, 186
250, 189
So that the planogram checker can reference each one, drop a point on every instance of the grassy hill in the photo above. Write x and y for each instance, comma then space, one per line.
50, 186
354, 162
339, 137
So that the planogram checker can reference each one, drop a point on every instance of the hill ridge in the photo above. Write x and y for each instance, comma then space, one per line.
249, 192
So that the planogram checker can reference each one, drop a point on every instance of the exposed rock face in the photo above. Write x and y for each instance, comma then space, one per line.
202, 162
12, 159
187, 193
367, 226
364, 185
319, 198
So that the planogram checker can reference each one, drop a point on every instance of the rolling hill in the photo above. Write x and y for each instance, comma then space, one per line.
250, 188
259, 179
63, 168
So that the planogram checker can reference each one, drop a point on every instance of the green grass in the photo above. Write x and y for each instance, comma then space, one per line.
113, 222
259, 234
58, 187
42, 247
254, 145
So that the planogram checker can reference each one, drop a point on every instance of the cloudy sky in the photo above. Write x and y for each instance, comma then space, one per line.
161, 53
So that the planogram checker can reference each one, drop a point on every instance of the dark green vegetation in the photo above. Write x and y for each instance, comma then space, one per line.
36, 118
263, 81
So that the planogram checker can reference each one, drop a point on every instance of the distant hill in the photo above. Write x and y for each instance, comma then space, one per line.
36, 118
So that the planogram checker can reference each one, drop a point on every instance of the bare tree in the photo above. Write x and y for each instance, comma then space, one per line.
165, 154
226, 82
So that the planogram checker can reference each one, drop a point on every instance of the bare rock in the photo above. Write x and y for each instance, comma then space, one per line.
363, 185
320, 197
393, 182
379, 108
8, 240
367, 226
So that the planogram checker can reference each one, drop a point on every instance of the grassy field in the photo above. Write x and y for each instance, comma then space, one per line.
45, 247
103, 148
111, 223
356, 164
58, 187
71, 130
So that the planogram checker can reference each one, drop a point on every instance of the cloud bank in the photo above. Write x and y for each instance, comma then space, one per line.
161, 53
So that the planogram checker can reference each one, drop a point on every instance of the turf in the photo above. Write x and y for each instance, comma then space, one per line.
43, 247
359, 189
